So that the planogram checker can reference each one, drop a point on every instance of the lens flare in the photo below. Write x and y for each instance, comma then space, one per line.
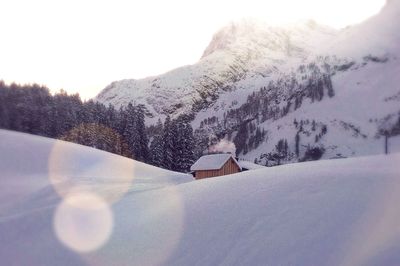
83, 222
378, 230
73, 168
151, 223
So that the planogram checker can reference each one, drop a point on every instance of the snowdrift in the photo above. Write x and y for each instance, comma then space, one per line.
337, 212
49, 169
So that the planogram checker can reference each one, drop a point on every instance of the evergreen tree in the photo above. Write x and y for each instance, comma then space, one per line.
156, 145
282, 150
156, 151
130, 132
134, 132
143, 141
184, 145
241, 137
168, 144
297, 144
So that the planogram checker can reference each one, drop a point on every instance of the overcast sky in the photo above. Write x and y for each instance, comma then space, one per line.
83, 45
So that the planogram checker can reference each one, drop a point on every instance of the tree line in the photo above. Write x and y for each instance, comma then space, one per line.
33, 109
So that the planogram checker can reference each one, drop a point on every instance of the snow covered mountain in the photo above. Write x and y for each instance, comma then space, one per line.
337, 212
284, 94
243, 52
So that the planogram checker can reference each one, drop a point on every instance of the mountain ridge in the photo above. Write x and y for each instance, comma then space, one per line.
217, 67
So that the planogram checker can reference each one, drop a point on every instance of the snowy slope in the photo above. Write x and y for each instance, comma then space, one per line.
337, 212
361, 100
48, 169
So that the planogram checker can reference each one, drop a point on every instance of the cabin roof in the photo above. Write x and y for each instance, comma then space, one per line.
212, 162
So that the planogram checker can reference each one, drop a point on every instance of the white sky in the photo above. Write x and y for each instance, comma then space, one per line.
83, 45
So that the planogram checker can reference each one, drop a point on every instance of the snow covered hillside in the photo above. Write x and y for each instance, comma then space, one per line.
44, 170
337, 212
318, 91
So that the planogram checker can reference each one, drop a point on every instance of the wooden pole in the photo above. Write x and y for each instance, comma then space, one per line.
386, 143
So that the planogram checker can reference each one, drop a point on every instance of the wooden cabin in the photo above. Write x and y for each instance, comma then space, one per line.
213, 165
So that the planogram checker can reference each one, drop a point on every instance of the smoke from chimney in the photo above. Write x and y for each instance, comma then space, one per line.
224, 146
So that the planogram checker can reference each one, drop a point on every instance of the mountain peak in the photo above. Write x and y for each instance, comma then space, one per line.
229, 34
252, 32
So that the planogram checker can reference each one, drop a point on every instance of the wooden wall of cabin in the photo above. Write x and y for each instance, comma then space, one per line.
230, 167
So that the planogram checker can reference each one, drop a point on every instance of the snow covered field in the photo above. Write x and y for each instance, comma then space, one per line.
65, 204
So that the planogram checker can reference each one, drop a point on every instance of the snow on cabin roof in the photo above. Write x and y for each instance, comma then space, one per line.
211, 162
